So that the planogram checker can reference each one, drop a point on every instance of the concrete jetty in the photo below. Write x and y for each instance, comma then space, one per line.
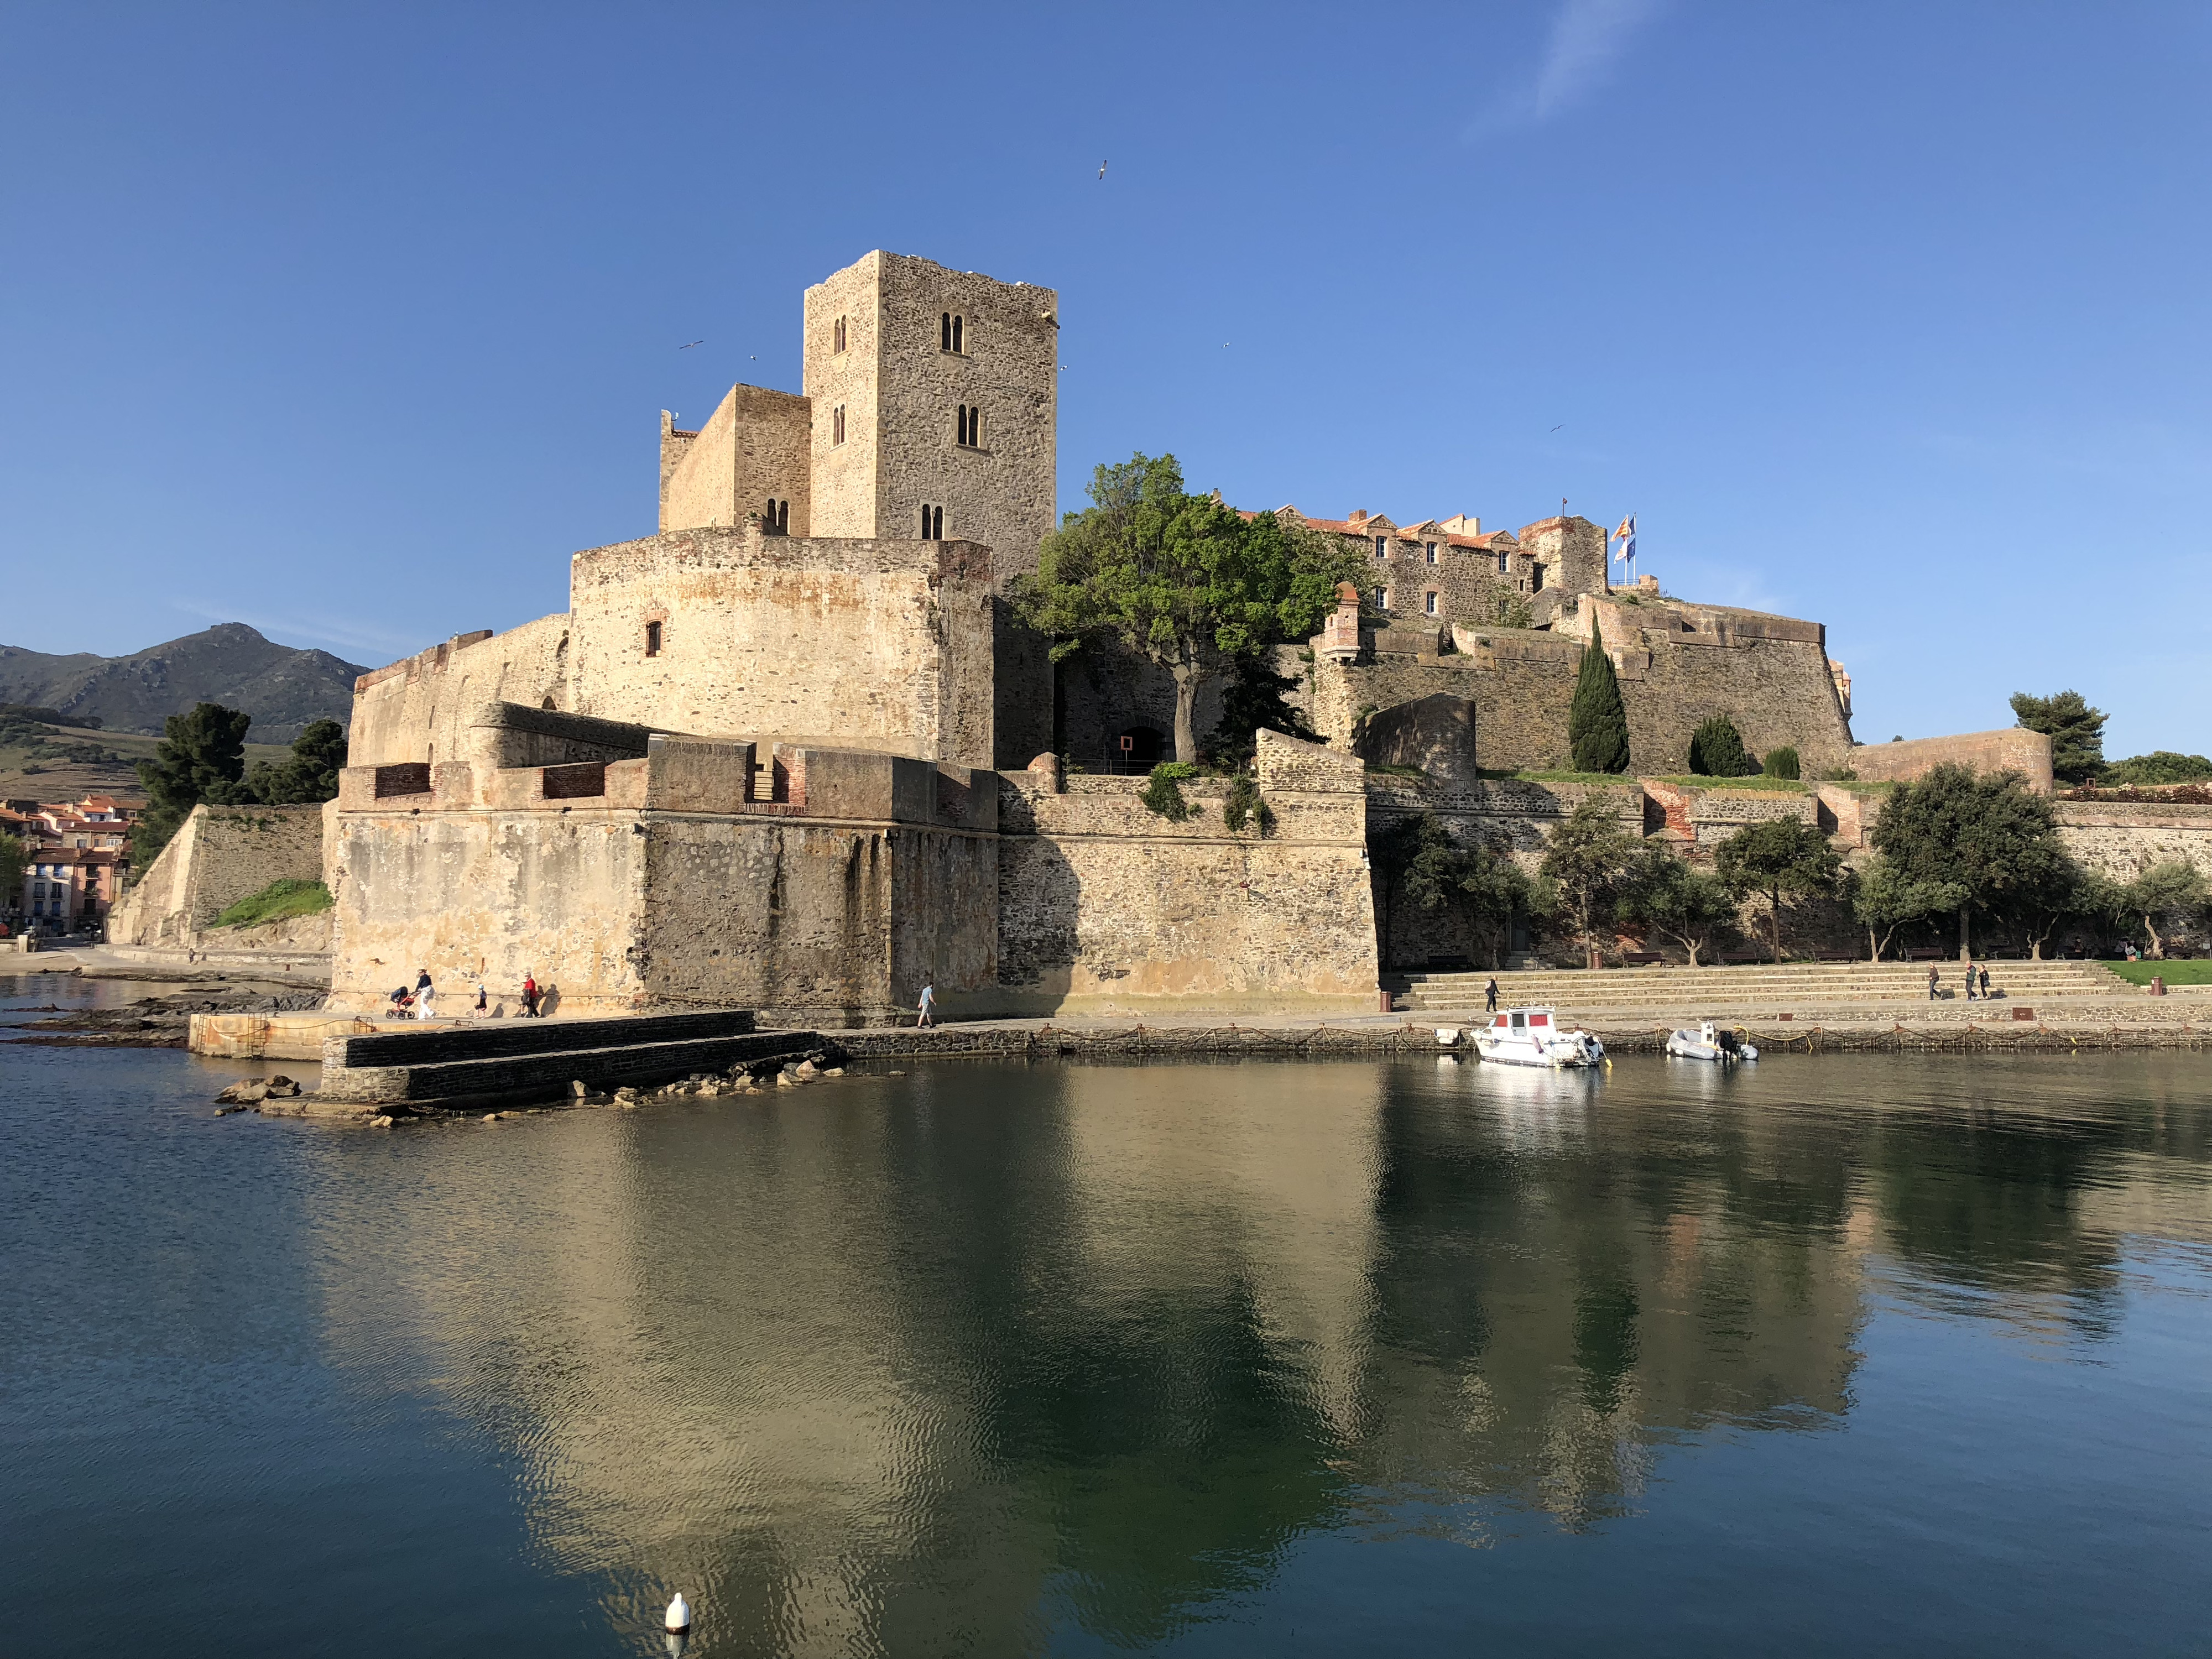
449, 1067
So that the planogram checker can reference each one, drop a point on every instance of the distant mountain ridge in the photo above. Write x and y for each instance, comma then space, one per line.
281, 687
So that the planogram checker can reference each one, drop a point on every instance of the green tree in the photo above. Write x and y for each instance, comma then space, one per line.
1985, 833
2174, 888
2077, 733
1597, 725
1692, 906
14, 857
1585, 860
1780, 762
1485, 888
1178, 579
1252, 701
1884, 898
2159, 766
311, 775
201, 758
1779, 858
1717, 750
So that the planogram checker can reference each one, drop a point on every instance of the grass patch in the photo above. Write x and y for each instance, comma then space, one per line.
1612, 780
278, 901
2175, 973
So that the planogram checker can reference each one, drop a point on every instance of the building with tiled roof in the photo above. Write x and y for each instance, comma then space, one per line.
69, 888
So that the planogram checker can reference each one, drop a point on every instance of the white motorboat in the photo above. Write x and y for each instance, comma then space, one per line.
1712, 1043
1533, 1036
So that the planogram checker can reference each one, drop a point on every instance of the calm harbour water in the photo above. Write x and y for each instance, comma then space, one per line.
1842, 1355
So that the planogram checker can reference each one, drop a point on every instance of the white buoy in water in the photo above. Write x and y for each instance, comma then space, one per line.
678, 1620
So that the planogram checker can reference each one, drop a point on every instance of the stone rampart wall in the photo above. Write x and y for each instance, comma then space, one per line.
1105, 905
2013, 750
1777, 690
2121, 839
869, 644
219, 855
420, 708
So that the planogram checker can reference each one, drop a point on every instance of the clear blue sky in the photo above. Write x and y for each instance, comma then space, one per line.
352, 322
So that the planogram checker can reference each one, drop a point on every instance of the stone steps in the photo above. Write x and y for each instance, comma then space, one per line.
1789, 986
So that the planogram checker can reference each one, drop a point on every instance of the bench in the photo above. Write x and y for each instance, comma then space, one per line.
1644, 958
1926, 953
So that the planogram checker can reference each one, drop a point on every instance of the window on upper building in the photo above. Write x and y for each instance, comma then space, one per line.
837, 424
652, 639
1429, 548
1381, 547
951, 329
971, 427
933, 523
1382, 598
837, 334
1429, 602
1535, 579
1504, 569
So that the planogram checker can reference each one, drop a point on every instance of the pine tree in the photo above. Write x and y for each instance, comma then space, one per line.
201, 758
2075, 730
1597, 725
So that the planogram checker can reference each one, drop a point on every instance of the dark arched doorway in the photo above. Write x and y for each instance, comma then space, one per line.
1138, 749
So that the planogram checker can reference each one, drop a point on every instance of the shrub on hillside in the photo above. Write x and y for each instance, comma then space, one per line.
1780, 762
1717, 750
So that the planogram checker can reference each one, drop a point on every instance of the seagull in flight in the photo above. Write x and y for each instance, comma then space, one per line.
1101, 169
1557, 427
687, 348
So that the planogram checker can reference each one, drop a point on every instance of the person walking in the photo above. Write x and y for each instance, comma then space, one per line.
1489, 998
426, 1004
925, 1011
1970, 979
1933, 978
483, 1002
530, 995
1985, 981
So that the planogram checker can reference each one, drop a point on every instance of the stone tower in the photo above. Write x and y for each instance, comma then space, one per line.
933, 390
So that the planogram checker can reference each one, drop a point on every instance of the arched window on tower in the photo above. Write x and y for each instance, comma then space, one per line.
951, 329
837, 334
933, 523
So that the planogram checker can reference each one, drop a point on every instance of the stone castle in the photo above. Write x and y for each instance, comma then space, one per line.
794, 752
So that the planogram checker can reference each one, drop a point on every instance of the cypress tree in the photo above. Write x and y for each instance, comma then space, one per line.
1597, 725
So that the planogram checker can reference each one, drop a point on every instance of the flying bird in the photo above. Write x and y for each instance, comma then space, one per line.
1101, 169
1557, 427
687, 348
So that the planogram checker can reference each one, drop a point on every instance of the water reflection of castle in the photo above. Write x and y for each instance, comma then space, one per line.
878, 1361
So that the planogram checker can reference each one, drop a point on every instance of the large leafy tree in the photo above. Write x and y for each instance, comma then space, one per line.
2171, 889
1585, 861
1886, 898
1985, 833
318, 754
201, 758
1178, 579
1778, 859
2077, 733
2159, 766
1597, 724
1485, 888
1692, 906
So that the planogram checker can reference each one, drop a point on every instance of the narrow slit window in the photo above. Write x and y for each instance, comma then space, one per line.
957, 347
837, 424
837, 334
652, 639
944, 331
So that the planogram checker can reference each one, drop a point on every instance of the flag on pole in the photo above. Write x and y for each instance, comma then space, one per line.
1626, 537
